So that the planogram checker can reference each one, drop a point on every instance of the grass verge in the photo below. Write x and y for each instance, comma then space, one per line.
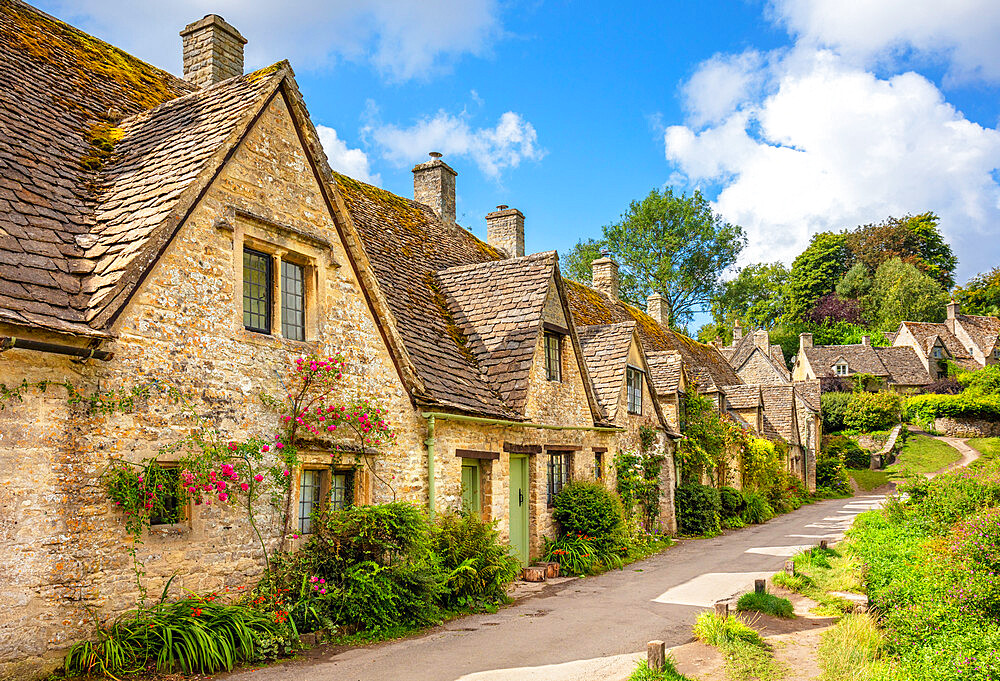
765, 603
669, 672
866, 479
852, 650
922, 454
747, 656
989, 447
819, 571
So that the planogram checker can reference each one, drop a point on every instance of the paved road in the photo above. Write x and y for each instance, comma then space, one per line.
588, 628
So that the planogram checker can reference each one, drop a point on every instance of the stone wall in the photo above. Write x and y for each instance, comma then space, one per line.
758, 370
959, 427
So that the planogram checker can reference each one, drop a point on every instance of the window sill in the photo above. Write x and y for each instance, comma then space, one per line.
273, 341
172, 530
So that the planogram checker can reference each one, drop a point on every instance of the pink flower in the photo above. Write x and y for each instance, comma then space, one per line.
322, 591
220, 485
322, 581
191, 489
223, 496
280, 445
244, 486
232, 446
265, 448
258, 477
286, 472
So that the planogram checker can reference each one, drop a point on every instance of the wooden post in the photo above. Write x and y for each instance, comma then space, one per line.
722, 608
823, 544
759, 586
656, 655
790, 566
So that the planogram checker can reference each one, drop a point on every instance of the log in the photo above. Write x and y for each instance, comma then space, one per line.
551, 569
534, 573
722, 608
656, 655
823, 544
759, 586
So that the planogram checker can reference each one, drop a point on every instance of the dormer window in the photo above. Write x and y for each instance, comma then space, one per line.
937, 352
553, 356
841, 368
633, 387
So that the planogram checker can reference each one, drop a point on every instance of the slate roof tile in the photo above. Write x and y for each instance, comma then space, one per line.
860, 359
903, 366
605, 349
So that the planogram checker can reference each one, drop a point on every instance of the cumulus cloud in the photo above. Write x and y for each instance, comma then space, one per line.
963, 32
719, 85
493, 149
831, 146
351, 162
401, 39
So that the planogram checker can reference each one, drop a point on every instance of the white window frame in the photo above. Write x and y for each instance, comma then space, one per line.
841, 369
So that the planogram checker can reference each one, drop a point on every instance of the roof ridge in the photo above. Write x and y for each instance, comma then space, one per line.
457, 269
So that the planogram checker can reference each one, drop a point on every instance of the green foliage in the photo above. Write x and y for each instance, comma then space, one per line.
853, 650
981, 295
720, 631
914, 239
478, 565
856, 284
579, 554
575, 264
747, 656
668, 673
866, 479
902, 292
753, 296
982, 382
766, 603
589, 508
849, 451
731, 503
670, 244
988, 447
816, 272
698, 508
762, 463
709, 440
756, 508
867, 412
923, 409
638, 485
194, 635
830, 469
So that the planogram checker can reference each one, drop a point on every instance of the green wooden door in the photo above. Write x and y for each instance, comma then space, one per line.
519, 506
470, 487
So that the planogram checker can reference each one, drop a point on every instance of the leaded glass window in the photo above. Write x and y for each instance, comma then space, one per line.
256, 291
558, 474
553, 357
633, 386
310, 492
293, 301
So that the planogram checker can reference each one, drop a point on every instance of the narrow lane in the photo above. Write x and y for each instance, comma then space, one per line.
588, 628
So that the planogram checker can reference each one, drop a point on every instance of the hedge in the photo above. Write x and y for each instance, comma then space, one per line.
926, 408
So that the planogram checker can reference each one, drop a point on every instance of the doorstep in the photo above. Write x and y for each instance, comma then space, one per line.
522, 589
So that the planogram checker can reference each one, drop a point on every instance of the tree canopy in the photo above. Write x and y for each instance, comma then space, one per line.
981, 295
816, 272
901, 292
914, 239
755, 296
671, 244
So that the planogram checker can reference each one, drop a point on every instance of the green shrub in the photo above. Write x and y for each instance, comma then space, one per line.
766, 603
668, 673
867, 412
731, 503
721, 631
478, 565
834, 406
757, 509
923, 409
591, 509
849, 451
830, 472
982, 382
579, 554
698, 508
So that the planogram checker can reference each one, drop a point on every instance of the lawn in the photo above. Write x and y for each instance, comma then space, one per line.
867, 480
989, 447
922, 454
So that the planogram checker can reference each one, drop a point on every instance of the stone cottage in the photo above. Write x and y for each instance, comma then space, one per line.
898, 367
970, 341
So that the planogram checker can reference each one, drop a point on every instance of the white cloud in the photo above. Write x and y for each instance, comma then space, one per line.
402, 39
719, 85
833, 146
964, 32
493, 149
351, 162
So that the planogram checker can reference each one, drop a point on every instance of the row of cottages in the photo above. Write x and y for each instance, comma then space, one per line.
917, 357
189, 233
777, 408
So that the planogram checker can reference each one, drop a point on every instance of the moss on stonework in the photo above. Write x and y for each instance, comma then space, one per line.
259, 74
101, 141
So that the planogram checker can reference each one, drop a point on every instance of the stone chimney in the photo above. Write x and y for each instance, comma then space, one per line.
604, 276
434, 186
866, 340
805, 340
213, 51
505, 230
762, 340
737, 332
657, 308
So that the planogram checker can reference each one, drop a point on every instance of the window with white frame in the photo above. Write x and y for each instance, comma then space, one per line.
841, 368
633, 387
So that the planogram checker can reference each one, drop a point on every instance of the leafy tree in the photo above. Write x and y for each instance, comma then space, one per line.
982, 294
832, 308
856, 284
914, 239
711, 331
902, 292
576, 264
674, 245
755, 296
816, 272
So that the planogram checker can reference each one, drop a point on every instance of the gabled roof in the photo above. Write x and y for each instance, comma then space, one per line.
740, 353
497, 305
925, 334
809, 392
860, 359
903, 366
984, 331
779, 412
666, 369
742, 396
606, 348
708, 368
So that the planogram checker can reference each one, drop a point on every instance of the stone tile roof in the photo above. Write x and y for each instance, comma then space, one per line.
605, 348
707, 366
97, 151
779, 412
926, 332
665, 370
860, 359
809, 392
778, 359
738, 354
497, 305
984, 331
742, 396
903, 366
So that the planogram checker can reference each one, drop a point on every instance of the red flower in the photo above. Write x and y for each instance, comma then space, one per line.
196, 611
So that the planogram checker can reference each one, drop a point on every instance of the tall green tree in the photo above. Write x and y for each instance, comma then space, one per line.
671, 244
816, 272
755, 296
981, 295
914, 239
901, 292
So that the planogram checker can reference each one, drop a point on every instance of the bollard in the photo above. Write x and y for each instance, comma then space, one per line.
790, 566
722, 608
656, 655
759, 586
823, 544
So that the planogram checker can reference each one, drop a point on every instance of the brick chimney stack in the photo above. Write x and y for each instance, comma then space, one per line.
434, 186
505, 230
737, 332
656, 307
213, 51
762, 340
604, 276
805, 340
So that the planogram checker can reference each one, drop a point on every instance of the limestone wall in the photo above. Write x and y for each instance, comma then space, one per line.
959, 427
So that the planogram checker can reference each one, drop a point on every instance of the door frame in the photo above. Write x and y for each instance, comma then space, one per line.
524, 506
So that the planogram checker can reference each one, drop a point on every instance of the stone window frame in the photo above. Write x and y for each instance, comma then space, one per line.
353, 484
283, 243
182, 508
599, 462
562, 459
937, 352
633, 393
552, 342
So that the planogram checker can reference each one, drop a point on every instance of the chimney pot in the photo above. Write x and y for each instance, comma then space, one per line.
434, 186
505, 230
604, 276
867, 340
737, 332
213, 51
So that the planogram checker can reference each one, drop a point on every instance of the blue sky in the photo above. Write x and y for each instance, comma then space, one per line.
794, 116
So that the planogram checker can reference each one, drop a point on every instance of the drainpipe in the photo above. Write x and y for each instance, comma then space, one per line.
7, 343
430, 461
